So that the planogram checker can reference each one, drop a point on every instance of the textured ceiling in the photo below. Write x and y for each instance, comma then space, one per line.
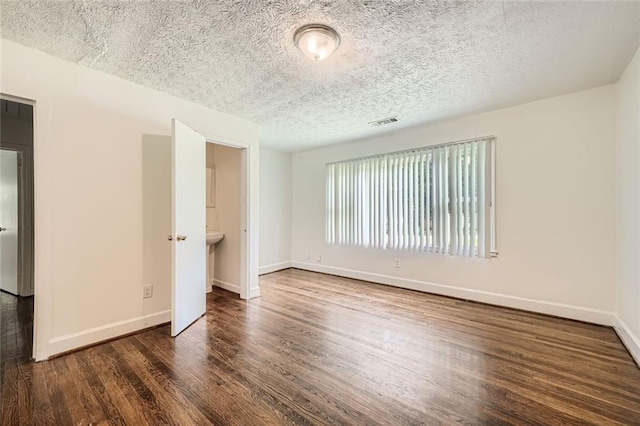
419, 60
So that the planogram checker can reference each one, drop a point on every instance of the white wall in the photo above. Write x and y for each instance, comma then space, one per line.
275, 210
89, 131
555, 210
227, 214
628, 207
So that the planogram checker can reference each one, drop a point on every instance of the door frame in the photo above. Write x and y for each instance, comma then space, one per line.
42, 304
247, 255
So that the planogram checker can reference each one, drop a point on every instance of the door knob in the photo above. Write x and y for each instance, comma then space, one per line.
2, 229
181, 237
170, 238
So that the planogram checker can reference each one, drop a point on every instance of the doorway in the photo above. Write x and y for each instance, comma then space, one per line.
224, 215
241, 155
174, 221
16, 231
188, 224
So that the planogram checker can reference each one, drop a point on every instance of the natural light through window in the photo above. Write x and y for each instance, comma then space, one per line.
439, 199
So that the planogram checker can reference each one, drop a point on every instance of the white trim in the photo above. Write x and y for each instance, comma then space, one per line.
18, 99
579, 313
255, 292
630, 340
106, 332
221, 140
274, 267
234, 288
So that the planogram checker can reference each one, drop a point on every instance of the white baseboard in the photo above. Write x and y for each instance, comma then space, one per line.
630, 340
551, 308
273, 268
255, 292
105, 332
234, 288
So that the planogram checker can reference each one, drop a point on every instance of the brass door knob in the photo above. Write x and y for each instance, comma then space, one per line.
170, 238
181, 237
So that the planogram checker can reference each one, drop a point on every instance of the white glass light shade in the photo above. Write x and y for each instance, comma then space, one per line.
316, 41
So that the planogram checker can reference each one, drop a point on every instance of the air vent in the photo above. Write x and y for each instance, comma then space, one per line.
384, 121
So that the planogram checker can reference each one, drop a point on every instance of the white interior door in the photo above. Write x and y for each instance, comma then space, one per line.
188, 236
9, 221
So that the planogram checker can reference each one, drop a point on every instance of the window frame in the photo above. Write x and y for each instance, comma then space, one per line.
340, 211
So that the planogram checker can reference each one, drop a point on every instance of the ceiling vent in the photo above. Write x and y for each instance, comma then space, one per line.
384, 121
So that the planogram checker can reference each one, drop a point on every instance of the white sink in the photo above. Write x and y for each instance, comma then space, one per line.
213, 237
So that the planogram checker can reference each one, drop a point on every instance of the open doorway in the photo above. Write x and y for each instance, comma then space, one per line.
174, 216
16, 231
226, 216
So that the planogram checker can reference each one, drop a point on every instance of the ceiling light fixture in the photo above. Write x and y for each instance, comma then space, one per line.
316, 41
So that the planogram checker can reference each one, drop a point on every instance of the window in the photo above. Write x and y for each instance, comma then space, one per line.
437, 199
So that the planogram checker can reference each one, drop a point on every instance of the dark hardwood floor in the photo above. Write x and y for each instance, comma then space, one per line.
16, 327
317, 349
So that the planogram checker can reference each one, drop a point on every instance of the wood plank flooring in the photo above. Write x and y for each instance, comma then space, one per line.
16, 327
317, 349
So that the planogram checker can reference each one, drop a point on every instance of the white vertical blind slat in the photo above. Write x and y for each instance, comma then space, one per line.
331, 201
398, 193
341, 203
391, 202
354, 204
428, 199
406, 220
460, 201
349, 204
482, 214
442, 198
400, 214
333, 204
421, 197
445, 201
435, 194
372, 204
398, 202
384, 201
340, 191
473, 223
409, 202
375, 196
352, 216
347, 209
416, 202
358, 216
455, 194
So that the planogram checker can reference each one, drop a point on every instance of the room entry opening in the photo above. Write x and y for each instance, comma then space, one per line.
16, 230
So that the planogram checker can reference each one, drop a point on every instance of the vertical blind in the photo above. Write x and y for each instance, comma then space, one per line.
436, 199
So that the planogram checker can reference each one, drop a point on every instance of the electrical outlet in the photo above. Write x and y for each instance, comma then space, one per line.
320, 258
397, 263
147, 291
308, 257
